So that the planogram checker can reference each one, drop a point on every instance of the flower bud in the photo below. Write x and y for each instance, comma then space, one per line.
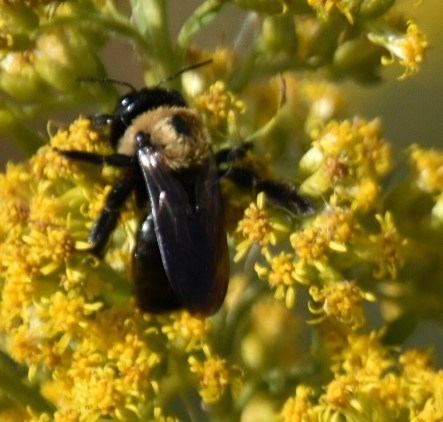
279, 34
358, 56
18, 77
374, 8
62, 57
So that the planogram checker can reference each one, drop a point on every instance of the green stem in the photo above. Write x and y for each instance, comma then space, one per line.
229, 326
201, 17
254, 69
151, 19
19, 391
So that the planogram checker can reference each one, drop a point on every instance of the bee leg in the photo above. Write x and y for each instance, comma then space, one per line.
230, 155
285, 196
279, 194
100, 121
153, 290
108, 217
116, 160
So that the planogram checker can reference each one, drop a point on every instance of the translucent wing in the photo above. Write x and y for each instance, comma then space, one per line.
189, 225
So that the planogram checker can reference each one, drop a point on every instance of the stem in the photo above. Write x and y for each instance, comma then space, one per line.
201, 17
19, 392
151, 19
253, 69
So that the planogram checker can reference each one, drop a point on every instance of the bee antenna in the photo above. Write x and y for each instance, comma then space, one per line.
186, 69
107, 80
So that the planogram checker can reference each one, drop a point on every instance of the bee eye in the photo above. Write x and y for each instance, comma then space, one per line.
142, 139
181, 126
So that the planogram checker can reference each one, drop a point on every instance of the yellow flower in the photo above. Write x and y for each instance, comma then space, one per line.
342, 301
219, 107
80, 136
283, 275
160, 417
430, 413
408, 48
428, 167
388, 247
347, 158
365, 354
414, 361
329, 232
256, 227
299, 408
109, 372
214, 376
324, 7
186, 332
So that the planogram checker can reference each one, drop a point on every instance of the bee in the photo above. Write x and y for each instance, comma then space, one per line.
180, 259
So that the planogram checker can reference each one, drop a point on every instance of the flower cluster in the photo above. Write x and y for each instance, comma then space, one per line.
372, 383
293, 340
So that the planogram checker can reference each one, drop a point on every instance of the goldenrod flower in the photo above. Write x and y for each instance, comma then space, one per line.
329, 232
299, 408
427, 168
283, 275
340, 399
340, 300
186, 332
346, 7
73, 344
160, 417
347, 158
387, 247
219, 108
257, 227
407, 48
214, 376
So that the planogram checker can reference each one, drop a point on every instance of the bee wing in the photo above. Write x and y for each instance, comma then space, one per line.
190, 232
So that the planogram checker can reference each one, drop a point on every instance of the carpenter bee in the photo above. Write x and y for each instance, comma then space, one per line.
180, 258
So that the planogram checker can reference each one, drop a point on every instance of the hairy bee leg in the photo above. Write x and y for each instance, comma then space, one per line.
285, 196
153, 290
108, 218
230, 155
278, 193
116, 160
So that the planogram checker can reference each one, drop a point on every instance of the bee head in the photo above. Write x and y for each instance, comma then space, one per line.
176, 133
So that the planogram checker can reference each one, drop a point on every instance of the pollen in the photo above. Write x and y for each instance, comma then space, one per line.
324, 8
213, 375
342, 301
283, 275
389, 247
256, 227
340, 394
347, 158
80, 136
48, 246
428, 166
299, 407
408, 48
329, 232
219, 106
186, 332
